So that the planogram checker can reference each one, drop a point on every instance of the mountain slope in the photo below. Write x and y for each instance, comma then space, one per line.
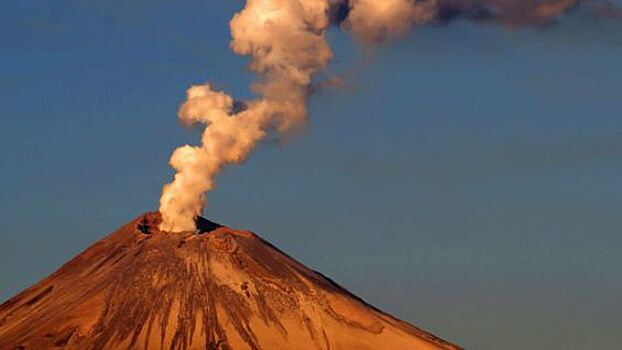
217, 289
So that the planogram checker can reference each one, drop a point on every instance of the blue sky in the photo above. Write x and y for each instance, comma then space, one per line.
467, 180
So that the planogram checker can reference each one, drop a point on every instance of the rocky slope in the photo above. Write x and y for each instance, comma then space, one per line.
218, 288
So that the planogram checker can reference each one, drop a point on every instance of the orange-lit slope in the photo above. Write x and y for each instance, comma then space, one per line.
218, 289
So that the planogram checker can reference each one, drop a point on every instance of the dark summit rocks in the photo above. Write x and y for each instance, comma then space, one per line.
150, 222
205, 226
143, 226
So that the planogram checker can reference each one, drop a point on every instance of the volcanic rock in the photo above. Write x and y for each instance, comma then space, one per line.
216, 288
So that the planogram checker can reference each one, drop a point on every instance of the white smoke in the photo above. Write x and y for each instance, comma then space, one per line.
286, 42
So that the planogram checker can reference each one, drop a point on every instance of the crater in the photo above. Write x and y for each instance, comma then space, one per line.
149, 224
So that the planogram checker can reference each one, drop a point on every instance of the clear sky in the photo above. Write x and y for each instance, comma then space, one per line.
468, 180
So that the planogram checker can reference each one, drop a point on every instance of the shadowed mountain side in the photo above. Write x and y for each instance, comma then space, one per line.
216, 288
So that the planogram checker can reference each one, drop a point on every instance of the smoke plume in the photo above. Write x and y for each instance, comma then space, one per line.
285, 39
286, 42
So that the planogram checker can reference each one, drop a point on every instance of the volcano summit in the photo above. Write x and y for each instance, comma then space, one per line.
217, 288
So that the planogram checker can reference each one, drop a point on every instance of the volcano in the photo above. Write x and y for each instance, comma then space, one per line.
216, 288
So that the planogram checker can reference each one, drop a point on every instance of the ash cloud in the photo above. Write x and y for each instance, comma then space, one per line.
376, 21
287, 46
507, 12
